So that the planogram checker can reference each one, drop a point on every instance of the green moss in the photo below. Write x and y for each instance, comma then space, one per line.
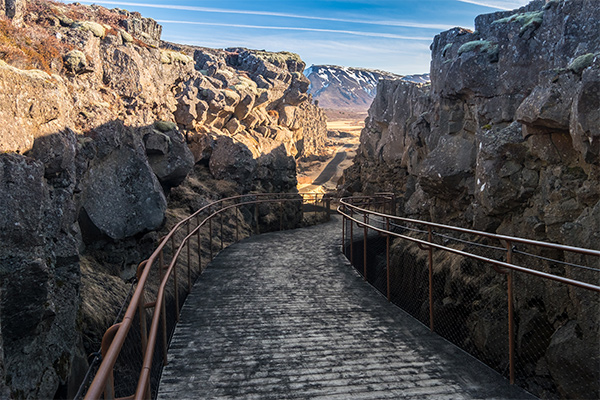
170, 57
551, 3
482, 46
280, 58
126, 37
94, 27
245, 85
165, 126
581, 63
487, 127
525, 19
446, 48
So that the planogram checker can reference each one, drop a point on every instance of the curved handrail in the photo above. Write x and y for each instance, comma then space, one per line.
115, 336
353, 211
345, 202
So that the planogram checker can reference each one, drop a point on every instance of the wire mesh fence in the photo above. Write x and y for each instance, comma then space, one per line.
549, 331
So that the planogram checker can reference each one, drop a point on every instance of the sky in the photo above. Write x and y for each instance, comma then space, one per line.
391, 35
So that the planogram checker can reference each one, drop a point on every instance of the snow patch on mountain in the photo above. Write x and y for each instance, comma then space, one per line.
346, 88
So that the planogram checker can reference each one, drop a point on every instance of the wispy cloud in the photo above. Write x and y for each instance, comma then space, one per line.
406, 24
497, 4
294, 28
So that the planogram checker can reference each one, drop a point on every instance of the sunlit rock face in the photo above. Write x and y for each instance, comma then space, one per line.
505, 139
102, 131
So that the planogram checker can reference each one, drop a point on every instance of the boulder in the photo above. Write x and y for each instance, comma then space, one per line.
122, 196
169, 156
75, 62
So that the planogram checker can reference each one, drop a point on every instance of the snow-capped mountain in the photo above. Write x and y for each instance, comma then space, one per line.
345, 88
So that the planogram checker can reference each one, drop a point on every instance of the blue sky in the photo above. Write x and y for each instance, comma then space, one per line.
392, 35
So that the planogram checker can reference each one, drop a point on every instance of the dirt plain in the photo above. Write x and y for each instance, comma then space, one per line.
321, 173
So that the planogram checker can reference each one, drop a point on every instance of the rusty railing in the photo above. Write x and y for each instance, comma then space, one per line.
185, 244
552, 268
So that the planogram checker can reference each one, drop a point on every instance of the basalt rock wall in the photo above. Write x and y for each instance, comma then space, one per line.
101, 123
505, 139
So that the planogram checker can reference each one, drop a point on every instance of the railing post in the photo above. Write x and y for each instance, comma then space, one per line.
387, 257
430, 259
351, 238
511, 331
365, 247
189, 258
210, 237
107, 338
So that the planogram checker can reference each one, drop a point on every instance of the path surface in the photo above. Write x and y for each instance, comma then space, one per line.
284, 316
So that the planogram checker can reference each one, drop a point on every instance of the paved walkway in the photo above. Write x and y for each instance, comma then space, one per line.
284, 316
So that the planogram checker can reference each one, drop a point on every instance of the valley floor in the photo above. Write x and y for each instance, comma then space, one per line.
321, 174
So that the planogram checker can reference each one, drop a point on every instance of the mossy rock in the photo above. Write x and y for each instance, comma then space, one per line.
482, 46
277, 58
447, 47
65, 21
126, 37
75, 61
165, 126
581, 63
94, 27
527, 20
170, 57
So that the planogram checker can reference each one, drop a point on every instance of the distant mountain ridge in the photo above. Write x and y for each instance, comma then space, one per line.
347, 88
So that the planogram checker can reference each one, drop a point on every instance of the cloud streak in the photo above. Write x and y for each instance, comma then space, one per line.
405, 24
294, 28
499, 5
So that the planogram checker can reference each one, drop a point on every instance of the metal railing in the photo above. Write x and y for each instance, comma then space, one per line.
186, 247
535, 263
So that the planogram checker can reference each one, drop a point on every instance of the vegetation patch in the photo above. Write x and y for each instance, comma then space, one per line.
581, 63
527, 20
171, 57
94, 27
447, 47
30, 47
280, 59
482, 46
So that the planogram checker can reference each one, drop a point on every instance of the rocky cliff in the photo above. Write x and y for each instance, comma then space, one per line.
345, 88
505, 139
102, 124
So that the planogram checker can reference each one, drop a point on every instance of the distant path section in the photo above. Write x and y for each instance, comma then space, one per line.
284, 316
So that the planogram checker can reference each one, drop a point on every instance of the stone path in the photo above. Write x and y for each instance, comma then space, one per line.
284, 316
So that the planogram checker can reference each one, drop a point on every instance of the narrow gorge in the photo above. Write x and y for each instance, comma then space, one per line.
110, 135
